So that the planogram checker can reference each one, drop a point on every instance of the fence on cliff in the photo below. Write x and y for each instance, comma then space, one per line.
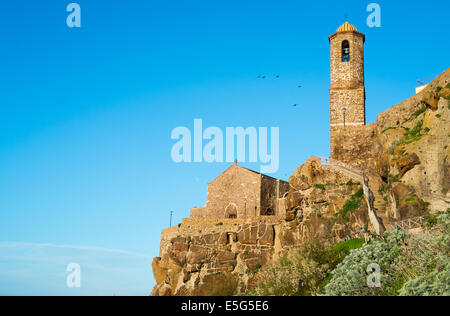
409, 223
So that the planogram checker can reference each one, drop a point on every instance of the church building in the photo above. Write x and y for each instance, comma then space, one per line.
242, 193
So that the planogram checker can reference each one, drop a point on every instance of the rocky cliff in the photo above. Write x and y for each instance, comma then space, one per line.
405, 155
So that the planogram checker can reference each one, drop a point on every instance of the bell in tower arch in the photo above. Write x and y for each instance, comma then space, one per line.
345, 51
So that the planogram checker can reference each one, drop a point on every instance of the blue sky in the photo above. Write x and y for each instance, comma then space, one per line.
86, 115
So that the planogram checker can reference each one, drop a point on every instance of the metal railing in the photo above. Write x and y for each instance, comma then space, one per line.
409, 223
426, 80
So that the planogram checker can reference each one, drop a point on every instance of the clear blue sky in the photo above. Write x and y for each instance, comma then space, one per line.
86, 114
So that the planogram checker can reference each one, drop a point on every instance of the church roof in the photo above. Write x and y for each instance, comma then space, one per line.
346, 27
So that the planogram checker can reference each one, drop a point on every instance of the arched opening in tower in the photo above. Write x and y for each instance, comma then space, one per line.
345, 51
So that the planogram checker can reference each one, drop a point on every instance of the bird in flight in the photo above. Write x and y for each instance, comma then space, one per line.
294, 105
299, 86
278, 76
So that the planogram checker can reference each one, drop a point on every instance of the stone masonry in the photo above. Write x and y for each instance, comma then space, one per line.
241, 193
347, 91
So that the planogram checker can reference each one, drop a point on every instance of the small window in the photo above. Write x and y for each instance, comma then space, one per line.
345, 51
231, 211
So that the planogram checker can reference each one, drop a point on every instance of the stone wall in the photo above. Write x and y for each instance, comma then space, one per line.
353, 100
235, 190
347, 74
242, 193
271, 191
353, 145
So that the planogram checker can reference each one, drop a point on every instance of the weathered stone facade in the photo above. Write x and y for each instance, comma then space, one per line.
353, 145
241, 193
347, 91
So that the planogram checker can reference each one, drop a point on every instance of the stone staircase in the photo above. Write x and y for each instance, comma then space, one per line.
374, 200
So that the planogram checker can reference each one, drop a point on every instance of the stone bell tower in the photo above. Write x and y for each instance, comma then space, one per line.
347, 91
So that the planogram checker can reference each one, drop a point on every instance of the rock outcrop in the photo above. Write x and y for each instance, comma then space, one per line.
199, 253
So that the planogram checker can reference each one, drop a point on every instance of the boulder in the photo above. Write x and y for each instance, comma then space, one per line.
196, 254
226, 256
431, 100
444, 93
159, 273
408, 204
407, 163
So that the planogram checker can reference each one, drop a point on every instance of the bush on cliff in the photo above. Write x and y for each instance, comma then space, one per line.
305, 271
410, 265
350, 276
436, 283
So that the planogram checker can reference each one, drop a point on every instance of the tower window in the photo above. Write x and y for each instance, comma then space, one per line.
345, 51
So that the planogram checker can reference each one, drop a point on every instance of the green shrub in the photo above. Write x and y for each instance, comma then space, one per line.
410, 200
350, 276
320, 186
410, 264
359, 193
346, 246
352, 204
436, 283
423, 109
306, 271
413, 134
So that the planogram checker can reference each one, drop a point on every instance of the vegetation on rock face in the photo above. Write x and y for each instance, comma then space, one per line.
437, 283
410, 265
351, 205
320, 186
304, 271
350, 276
